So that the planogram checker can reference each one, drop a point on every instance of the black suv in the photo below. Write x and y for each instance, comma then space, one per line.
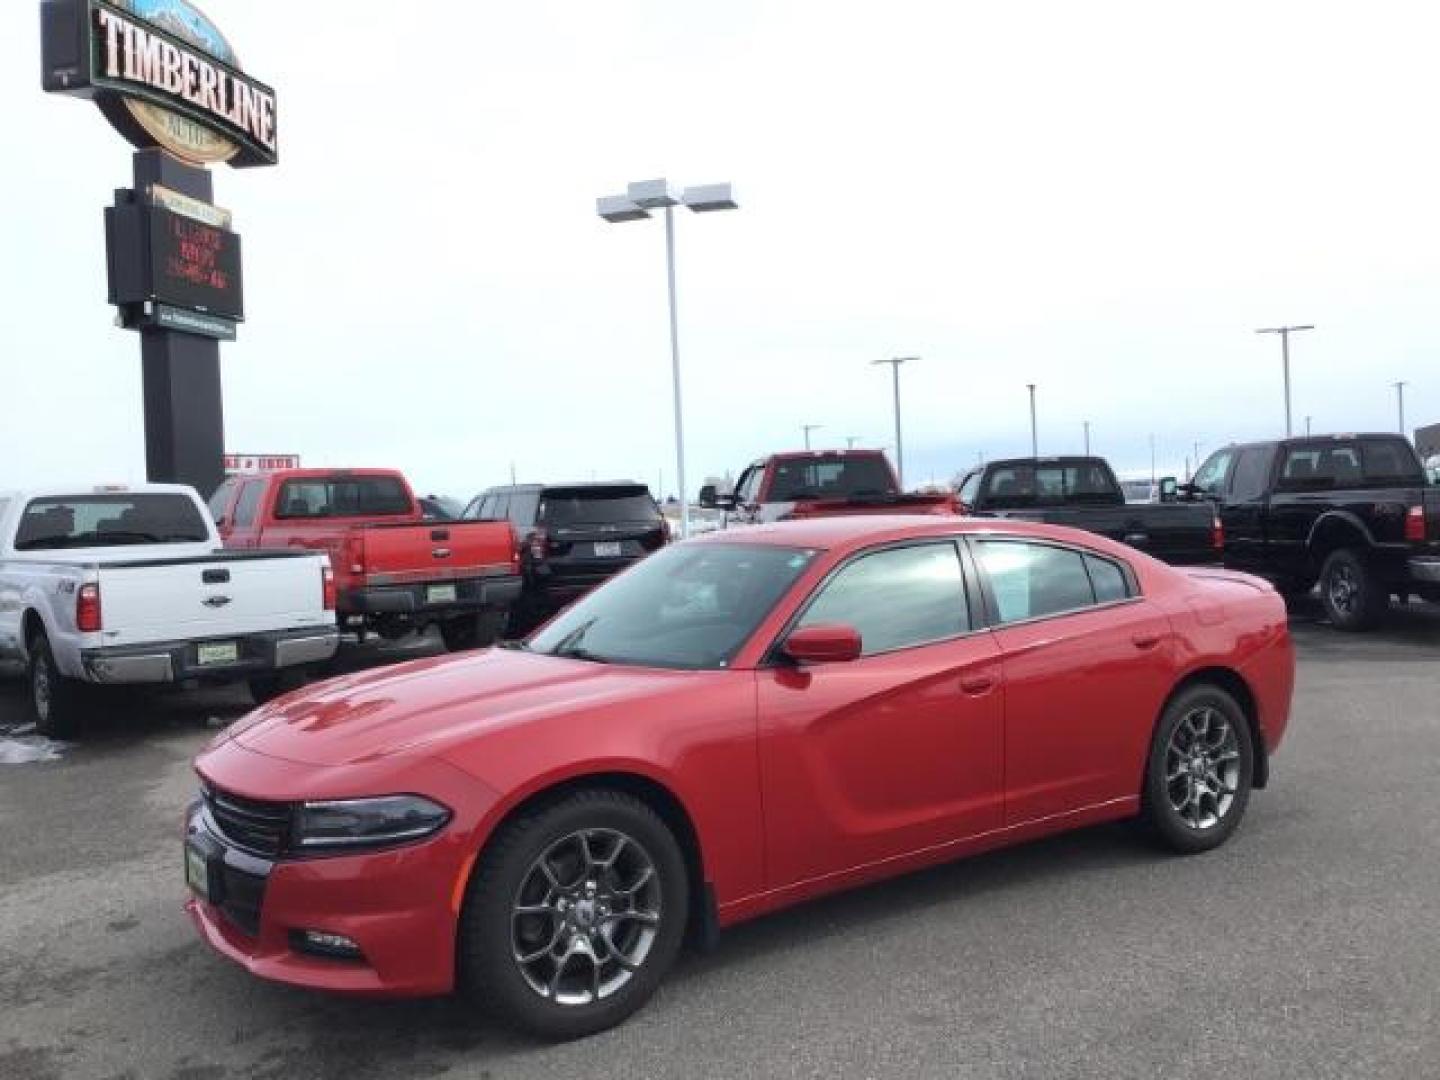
1354, 512
572, 537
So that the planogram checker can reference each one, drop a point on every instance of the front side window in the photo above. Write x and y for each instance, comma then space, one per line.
1252, 474
90, 521
897, 598
1210, 477
689, 606
1030, 581
248, 503
220, 501
969, 488
747, 492
343, 496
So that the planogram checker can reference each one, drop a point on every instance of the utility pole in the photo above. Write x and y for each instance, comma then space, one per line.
1087, 437
807, 428
1307, 427
1152, 460
1034, 435
895, 363
1400, 403
1285, 332
850, 441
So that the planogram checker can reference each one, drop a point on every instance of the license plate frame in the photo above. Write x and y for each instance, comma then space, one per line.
441, 594
608, 549
203, 870
214, 653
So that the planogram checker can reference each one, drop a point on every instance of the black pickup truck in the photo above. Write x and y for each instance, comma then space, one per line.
1082, 492
1354, 512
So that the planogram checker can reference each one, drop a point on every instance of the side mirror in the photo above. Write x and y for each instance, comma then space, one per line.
1169, 489
708, 499
824, 643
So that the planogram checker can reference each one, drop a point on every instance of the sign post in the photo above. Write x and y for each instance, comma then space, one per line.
167, 79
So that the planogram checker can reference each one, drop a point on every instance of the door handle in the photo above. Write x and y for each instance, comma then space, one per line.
1146, 640
977, 685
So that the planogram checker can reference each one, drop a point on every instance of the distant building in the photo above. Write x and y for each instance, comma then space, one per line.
1427, 440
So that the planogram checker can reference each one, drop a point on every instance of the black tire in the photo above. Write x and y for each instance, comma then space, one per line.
491, 974
1295, 588
1351, 592
273, 684
1185, 803
54, 702
467, 632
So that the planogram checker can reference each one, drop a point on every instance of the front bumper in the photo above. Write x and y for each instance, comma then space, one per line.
471, 595
178, 661
398, 905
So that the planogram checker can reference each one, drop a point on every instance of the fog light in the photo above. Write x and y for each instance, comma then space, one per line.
324, 943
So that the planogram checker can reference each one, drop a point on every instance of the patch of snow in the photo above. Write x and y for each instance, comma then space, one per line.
31, 748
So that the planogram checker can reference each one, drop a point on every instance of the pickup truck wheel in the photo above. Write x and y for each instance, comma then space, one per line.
471, 631
1353, 597
1202, 763
54, 699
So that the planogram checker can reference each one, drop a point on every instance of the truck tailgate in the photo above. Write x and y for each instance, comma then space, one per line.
431, 551
210, 596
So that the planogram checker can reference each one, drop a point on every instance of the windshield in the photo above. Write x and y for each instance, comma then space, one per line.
690, 606
91, 521
831, 478
1050, 485
563, 507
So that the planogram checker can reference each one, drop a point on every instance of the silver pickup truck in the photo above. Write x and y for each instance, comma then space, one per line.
131, 585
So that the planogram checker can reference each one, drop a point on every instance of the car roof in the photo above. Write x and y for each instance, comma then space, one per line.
80, 491
1311, 440
1060, 459
867, 530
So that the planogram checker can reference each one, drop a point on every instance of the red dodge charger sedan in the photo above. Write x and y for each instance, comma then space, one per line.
738, 723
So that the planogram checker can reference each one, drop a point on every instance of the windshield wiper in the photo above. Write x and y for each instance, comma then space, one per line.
575, 652
514, 644
570, 648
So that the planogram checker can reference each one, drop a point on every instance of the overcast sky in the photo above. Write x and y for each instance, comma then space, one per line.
1103, 198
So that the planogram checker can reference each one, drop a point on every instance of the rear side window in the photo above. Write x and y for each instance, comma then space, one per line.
523, 507
1321, 466
86, 521
1029, 580
1252, 473
897, 598
1107, 579
1390, 461
563, 507
343, 496
248, 502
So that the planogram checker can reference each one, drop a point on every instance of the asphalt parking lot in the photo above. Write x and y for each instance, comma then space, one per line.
1308, 947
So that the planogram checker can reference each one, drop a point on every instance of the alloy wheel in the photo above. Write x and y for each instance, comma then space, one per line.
42, 692
1202, 768
586, 916
1343, 589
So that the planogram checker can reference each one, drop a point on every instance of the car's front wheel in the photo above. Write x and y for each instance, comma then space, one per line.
575, 913
1202, 763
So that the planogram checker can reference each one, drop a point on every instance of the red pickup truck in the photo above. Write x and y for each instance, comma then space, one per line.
820, 483
394, 571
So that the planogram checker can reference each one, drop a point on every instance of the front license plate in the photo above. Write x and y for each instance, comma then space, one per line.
609, 550
440, 594
197, 872
222, 653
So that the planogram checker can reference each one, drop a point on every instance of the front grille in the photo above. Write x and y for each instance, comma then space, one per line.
262, 828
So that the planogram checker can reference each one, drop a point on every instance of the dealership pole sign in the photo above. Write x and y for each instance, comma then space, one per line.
169, 81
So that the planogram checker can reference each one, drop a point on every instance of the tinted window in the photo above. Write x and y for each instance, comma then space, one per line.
523, 506
830, 478
748, 490
478, 507
1031, 580
905, 596
343, 496
220, 501
1050, 484
249, 502
969, 487
1252, 474
1390, 461
687, 606
84, 521
1108, 580
1210, 477
562, 507
1317, 467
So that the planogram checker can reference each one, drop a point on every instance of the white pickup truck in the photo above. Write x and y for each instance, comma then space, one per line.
132, 585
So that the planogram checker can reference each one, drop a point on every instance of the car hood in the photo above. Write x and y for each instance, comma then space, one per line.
422, 707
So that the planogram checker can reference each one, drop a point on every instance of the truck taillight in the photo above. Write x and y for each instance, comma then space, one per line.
327, 587
1217, 533
355, 554
88, 618
539, 545
1415, 525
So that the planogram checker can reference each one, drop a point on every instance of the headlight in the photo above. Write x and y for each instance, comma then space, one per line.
346, 823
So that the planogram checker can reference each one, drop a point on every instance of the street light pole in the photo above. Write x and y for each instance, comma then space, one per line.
850, 441
1285, 332
1307, 427
1087, 437
1152, 460
1034, 435
637, 202
807, 428
895, 362
1400, 403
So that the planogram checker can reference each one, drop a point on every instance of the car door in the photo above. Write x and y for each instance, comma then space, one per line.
1246, 505
899, 750
1086, 662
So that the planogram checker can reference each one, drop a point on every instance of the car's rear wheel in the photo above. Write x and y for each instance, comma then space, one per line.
53, 699
574, 915
1201, 766
1351, 591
